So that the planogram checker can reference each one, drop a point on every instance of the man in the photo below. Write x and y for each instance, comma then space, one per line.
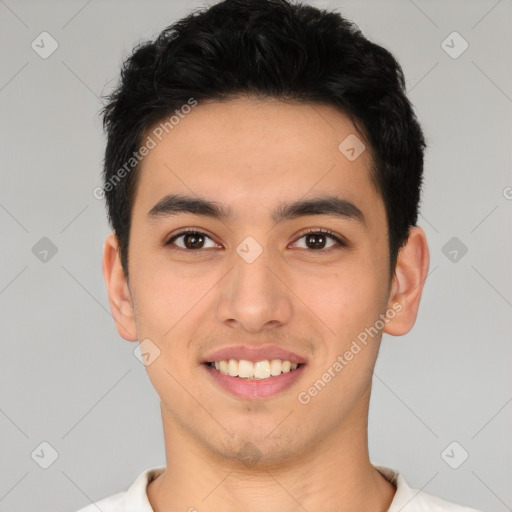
262, 176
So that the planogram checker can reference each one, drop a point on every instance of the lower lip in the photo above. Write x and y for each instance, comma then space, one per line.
257, 388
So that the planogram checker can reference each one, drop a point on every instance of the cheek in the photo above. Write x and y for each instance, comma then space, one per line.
168, 302
348, 300
165, 293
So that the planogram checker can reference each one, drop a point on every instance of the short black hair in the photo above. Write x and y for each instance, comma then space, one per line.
275, 49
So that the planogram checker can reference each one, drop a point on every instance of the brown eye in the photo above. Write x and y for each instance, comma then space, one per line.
318, 240
191, 240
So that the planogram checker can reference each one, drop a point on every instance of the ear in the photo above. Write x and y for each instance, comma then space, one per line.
119, 295
407, 283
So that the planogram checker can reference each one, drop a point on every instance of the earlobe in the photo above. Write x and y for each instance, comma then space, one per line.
408, 281
119, 296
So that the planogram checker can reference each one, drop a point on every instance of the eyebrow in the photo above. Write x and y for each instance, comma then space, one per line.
173, 204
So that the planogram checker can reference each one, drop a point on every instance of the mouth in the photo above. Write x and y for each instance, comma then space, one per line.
253, 380
253, 372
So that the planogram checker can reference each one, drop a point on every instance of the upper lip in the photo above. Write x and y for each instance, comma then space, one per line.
253, 354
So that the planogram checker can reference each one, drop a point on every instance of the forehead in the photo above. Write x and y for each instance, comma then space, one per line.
247, 153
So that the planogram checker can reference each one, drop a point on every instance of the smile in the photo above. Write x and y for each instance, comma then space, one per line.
243, 381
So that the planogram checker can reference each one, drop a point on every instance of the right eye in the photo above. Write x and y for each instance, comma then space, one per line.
190, 240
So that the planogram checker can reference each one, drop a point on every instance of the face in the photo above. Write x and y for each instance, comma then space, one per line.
260, 277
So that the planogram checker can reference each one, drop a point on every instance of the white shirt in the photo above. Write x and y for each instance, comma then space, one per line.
135, 499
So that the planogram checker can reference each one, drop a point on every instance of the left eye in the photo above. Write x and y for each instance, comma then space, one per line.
317, 240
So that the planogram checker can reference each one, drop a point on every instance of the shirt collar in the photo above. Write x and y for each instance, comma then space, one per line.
136, 497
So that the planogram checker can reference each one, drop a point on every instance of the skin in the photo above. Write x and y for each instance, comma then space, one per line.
251, 155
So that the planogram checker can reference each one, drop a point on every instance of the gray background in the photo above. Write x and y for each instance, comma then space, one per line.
67, 378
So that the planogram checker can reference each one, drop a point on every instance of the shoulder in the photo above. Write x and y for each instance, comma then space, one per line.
407, 499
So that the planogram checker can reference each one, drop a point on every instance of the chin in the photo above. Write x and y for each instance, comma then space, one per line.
256, 451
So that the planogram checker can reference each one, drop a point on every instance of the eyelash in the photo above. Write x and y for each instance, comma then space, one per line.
316, 231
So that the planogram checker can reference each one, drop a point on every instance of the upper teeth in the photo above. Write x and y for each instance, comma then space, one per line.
257, 370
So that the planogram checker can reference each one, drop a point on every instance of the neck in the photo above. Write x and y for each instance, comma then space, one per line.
335, 474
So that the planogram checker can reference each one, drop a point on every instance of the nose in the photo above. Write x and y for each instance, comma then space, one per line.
252, 297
